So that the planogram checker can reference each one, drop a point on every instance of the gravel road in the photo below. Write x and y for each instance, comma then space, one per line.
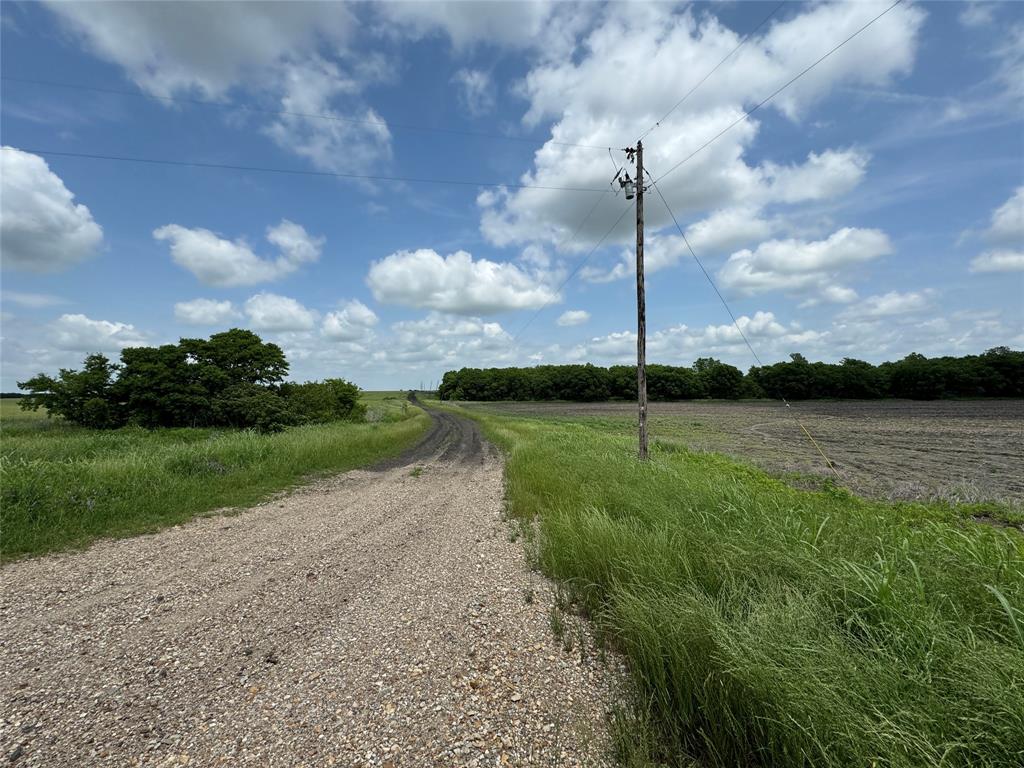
378, 618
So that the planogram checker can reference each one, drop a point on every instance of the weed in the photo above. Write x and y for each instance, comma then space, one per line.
556, 622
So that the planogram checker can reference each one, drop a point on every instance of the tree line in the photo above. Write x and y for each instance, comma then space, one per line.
232, 379
999, 372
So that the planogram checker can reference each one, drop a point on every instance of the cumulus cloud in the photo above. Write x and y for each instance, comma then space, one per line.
822, 176
728, 229
42, 228
642, 50
887, 305
448, 339
475, 91
355, 140
270, 312
573, 317
352, 322
171, 49
1007, 225
1006, 233
219, 262
796, 266
682, 343
456, 283
547, 26
205, 312
998, 261
79, 333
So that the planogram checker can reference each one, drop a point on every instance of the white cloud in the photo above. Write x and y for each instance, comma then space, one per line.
455, 283
451, 340
652, 53
887, 305
219, 262
354, 141
270, 312
205, 312
78, 333
352, 322
295, 243
998, 261
1006, 233
271, 49
681, 343
42, 229
829, 174
169, 48
798, 266
977, 14
1007, 227
475, 91
726, 230
546, 26
32, 300
573, 317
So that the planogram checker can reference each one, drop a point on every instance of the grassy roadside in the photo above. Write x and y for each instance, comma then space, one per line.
766, 625
64, 486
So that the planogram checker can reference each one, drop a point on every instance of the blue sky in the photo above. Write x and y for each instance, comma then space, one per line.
872, 209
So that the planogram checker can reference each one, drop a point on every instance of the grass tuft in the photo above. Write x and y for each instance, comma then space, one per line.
65, 486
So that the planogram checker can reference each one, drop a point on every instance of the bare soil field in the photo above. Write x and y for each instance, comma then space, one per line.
961, 451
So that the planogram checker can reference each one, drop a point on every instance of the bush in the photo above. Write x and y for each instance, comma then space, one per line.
250, 406
319, 402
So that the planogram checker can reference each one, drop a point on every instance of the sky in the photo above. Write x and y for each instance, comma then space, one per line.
448, 199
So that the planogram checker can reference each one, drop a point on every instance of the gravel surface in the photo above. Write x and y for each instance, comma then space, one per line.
378, 618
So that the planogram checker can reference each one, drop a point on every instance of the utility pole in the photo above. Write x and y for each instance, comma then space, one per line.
641, 305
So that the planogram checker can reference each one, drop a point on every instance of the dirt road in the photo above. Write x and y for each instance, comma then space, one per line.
377, 618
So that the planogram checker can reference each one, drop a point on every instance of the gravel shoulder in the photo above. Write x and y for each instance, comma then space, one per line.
377, 618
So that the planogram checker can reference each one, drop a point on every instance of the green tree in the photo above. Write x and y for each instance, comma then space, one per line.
75, 395
161, 387
237, 357
718, 379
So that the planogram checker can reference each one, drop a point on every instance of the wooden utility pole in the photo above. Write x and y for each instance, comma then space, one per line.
641, 304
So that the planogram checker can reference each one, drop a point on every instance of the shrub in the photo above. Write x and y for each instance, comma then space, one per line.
250, 406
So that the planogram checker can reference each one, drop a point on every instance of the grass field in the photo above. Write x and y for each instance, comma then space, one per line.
768, 625
64, 486
955, 450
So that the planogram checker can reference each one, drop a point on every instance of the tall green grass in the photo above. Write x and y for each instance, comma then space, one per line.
766, 625
64, 486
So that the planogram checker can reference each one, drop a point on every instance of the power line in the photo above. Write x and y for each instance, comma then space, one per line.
779, 90
728, 56
302, 172
735, 322
308, 115
578, 266
711, 141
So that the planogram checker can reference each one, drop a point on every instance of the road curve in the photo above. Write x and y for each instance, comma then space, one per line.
377, 618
